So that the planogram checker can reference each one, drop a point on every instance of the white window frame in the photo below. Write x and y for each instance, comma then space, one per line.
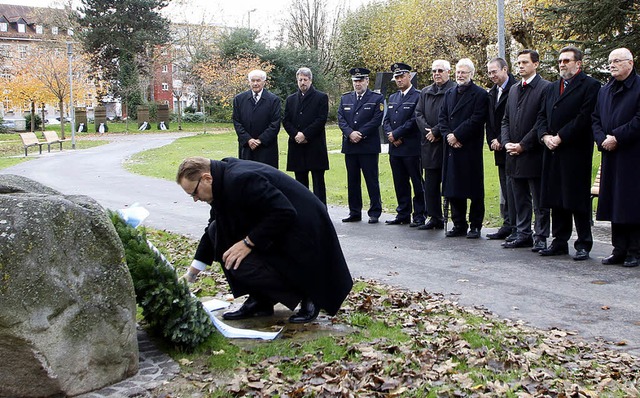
39, 29
165, 86
4, 26
22, 28
165, 68
54, 30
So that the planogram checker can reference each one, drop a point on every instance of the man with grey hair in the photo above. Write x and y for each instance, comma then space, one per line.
462, 118
427, 112
256, 119
305, 115
616, 129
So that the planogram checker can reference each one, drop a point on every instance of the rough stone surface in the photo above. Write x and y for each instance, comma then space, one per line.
67, 304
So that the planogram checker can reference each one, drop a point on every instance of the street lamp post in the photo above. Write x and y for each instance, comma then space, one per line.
71, 108
501, 43
249, 17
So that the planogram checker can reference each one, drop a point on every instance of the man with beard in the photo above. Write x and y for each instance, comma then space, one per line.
272, 236
564, 127
616, 129
427, 112
305, 115
462, 119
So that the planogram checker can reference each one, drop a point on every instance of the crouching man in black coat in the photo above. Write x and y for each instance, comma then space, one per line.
273, 237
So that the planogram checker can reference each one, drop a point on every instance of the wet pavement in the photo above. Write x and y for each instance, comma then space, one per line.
598, 302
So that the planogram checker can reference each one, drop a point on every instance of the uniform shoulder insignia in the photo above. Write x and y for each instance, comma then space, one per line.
347, 93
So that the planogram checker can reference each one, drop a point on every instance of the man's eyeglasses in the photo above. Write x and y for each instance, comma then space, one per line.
617, 61
564, 61
437, 70
195, 190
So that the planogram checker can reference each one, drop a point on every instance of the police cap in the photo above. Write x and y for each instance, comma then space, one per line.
399, 68
359, 73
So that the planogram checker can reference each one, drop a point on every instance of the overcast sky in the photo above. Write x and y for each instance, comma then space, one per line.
264, 15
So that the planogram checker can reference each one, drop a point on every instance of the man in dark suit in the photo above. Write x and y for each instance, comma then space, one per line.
256, 118
403, 135
273, 237
305, 115
498, 72
564, 127
616, 129
462, 120
427, 113
359, 117
524, 153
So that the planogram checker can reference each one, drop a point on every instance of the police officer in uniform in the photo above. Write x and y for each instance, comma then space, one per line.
359, 117
403, 134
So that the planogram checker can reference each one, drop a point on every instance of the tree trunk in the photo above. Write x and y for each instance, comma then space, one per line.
43, 119
179, 114
33, 116
61, 103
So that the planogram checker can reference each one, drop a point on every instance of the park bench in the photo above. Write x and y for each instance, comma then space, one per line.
595, 190
51, 137
29, 140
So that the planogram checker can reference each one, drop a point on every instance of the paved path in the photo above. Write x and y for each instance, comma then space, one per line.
597, 301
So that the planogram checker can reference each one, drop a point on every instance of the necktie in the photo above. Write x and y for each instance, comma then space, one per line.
524, 84
359, 97
255, 97
499, 93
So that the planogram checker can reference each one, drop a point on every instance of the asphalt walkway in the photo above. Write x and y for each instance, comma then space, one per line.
599, 302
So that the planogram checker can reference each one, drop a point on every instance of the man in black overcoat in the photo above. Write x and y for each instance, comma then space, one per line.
498, 71
564, 127
427, 113
359, 118
524, 153
273, 237
403, 135
305, 115
256, 119
462, 120
616, 129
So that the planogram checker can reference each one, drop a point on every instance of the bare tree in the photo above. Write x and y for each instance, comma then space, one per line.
312, 25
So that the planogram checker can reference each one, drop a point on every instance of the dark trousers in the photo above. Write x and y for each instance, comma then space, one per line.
433, 193
525, 192
625, 239
507, 211
459, 212
368, 165
562, 224
406, 172
319, 187
256, 277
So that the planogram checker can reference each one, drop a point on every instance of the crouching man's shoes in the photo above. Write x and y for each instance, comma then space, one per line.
307, 313
249, 309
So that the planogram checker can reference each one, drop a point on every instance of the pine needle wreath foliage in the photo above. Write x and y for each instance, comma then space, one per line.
167, 305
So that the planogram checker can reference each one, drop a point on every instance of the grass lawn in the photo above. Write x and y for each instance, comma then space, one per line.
163, 163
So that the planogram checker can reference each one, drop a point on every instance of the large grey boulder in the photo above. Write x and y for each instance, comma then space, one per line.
67, 304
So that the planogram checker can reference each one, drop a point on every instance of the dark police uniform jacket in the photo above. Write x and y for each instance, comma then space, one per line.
308, 114
364, 116
401, 121
288, 224
261, 121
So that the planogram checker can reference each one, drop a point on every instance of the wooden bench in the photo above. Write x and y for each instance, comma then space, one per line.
51, 137
595, 190
29, 140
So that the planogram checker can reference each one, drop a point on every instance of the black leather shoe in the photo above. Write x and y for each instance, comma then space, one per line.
456, 231
395, 221
474, 233
307, 313
539, 245
518, 243
631, 261
613, 260
432, 224
554, 250
416, 224
352, 219
512, 237
251, 308
581, 255
373, 220
502, 233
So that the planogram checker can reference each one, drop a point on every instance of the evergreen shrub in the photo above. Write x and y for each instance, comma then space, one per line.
168, 307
